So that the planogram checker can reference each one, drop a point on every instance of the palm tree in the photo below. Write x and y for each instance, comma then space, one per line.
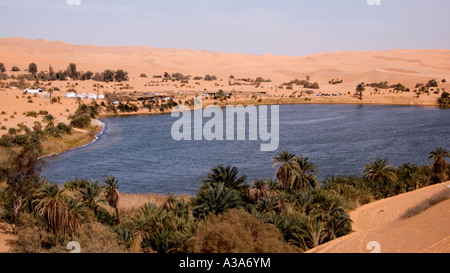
218, 199
112, 194
439, 163
258, 190
287, 164
93, 195
267, 205
228, 176
77, 213
314, 233
170, 201
50, 120
379, 170
360, 89
51, 204
304, 178
273, 187
412, 176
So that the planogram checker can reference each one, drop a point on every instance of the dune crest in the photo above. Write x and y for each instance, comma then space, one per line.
382, 222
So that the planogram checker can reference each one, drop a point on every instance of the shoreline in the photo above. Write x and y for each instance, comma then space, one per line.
91, 140
246, 103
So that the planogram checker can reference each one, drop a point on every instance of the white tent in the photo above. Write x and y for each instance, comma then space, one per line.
91, 96
101, 97
71, 95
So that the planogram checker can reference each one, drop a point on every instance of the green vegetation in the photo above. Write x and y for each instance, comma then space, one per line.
32, 68
444, 100
360, 89
84, 114
293, 213
128, 107
62, 75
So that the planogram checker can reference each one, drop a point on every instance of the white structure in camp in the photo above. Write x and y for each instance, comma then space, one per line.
71, 95
91, 96
33, 91
101, 97
81, 96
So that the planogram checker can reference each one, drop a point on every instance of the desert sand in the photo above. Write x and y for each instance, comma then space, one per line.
407, 67
7, 237
382, 222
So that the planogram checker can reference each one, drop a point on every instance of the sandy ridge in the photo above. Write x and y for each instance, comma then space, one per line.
381, 221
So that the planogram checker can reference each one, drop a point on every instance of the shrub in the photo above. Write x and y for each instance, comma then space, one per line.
127, 107
5, 141
32, 236
444, 100
108, 75
143, 75
31, 114
72, 71
81, 121
97, 238
238, 232
32, 68
209, 78
435, 199
63, 128
432, 83
2, 67
121, 75
15, 69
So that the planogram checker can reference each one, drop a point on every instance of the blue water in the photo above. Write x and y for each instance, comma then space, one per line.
339, 139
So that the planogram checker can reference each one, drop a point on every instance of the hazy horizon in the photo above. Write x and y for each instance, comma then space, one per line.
248, 27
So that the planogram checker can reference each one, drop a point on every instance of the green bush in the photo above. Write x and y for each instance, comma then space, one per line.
31, 114
238, 232
81, 121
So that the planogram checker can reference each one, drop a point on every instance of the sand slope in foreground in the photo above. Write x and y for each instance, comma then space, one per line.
381, 221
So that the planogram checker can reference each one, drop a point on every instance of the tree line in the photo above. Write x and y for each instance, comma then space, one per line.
71, 72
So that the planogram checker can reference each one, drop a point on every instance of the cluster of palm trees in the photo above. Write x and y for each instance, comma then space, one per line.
307, 213
65, 209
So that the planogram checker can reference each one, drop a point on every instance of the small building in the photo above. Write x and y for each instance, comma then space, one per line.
81, 96
33, 91
116, 102
101, 97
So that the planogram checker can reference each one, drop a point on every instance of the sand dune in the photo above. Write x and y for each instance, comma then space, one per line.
7, 237
352, 67
381, 222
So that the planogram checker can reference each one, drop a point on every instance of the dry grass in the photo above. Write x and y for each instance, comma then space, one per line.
66, 142
129, 202
435, 199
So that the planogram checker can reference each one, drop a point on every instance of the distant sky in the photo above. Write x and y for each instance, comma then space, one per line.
280, 27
